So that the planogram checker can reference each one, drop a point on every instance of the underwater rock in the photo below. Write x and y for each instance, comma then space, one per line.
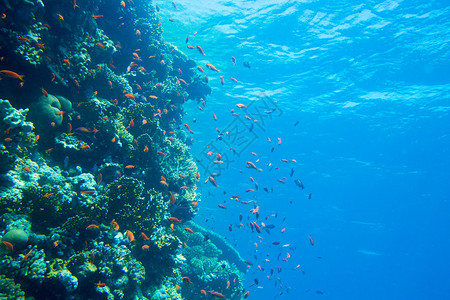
45, 113
14, 117
10, 290
17, 237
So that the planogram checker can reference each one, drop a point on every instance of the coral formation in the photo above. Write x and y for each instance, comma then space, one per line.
94, 161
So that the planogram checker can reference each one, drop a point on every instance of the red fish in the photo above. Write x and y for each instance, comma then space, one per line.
200, 49
130, 236
188, 128
12, 74
173, 219
222, 206
233, 59
216, 295
222, 81
200, 69
213, 181
186, 279
182, 80
212, 67
189, 230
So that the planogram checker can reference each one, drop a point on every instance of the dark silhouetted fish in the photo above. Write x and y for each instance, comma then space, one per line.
246, 64
299, 183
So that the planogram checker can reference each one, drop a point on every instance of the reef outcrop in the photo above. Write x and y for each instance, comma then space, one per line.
94, 160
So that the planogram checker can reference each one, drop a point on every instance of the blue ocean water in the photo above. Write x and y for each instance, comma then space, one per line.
367, 86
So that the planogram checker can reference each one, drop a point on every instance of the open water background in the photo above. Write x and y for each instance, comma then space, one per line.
369, 85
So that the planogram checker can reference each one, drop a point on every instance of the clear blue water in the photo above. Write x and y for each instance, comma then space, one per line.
369, 85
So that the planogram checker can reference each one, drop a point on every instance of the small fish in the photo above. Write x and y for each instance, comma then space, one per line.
12, 74
189, 230
212, 67
8, 246
186, 279
200, 49
174, 219
93, 226
87, 192
130, 236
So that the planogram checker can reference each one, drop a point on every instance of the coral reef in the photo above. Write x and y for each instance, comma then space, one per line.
94, 160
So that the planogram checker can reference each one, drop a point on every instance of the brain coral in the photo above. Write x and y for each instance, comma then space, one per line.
44, 112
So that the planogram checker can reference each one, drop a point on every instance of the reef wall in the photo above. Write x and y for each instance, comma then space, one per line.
95, 169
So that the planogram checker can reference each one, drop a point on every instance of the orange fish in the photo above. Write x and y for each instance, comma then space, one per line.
172, 198
144, 236
194, 203
311, 241
23, 39
122, 3
234, 79
93, 226
171, 227
101, 284
48, 195
222, 81
129, 167
233, 59
129, 96
60, 17
8, 246
241, 105
114, 225
27, 169
12, 74
130, 236
184, 187
189, 230
162, 154
182, 80
87, 192
26, 256
186, 279
200, 49
174, 219
212, 67
131, 124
